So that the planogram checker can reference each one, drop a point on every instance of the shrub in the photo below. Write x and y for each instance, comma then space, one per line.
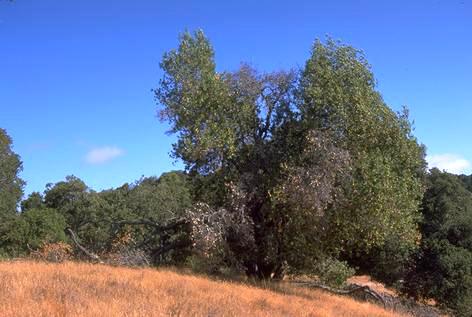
53, 252
443, 272
333, 272
31, 230
443, 265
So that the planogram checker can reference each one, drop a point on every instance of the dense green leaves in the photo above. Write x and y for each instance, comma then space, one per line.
163, 201
30, 230
101, 219
34, 201
162, 198
317, 153
11, 185
447, 210
467, 180
338, 95
443, 268
198, 104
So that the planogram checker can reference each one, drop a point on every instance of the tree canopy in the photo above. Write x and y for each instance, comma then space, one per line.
315, 151
443, 266
11, 185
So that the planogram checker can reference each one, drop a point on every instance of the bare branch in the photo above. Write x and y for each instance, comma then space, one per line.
356, 289
93, 256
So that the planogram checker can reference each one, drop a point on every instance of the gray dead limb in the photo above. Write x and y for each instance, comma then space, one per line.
91, 255
398, 304
354, 289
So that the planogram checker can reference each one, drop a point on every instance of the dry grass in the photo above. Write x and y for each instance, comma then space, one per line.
366, 280
79, 289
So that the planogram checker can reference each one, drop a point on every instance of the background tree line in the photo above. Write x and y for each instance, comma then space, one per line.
293, 172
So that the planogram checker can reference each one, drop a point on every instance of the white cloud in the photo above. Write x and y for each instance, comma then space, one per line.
451, 163
103, 154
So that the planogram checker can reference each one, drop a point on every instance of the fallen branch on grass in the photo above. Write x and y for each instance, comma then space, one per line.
355, 288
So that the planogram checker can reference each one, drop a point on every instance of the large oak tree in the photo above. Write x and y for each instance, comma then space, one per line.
324, 165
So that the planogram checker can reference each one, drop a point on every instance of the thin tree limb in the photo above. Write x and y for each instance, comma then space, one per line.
82, 248
356, 289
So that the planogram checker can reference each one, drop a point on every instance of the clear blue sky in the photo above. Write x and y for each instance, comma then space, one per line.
76, 76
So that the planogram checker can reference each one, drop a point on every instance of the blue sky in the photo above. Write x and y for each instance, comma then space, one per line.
76, 76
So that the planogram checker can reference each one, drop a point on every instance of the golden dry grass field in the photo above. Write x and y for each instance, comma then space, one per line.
80, 289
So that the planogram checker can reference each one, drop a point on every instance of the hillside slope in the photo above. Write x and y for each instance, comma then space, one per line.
79, 289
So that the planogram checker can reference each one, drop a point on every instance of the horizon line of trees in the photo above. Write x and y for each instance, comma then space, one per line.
291, 172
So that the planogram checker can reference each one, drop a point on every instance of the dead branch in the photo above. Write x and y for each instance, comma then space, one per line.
91, 255
355, 289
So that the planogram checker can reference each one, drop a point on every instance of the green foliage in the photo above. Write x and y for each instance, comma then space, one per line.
11, 185
134, 213
443, 268
30, 230
85, 212
44, 226
388, 263
338, 94
325, 167
160, 198
467, 180
333, 272
64, 192
34, 201
443, 272
199, 104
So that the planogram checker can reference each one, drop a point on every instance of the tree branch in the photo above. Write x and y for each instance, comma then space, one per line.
356, 289
93, 256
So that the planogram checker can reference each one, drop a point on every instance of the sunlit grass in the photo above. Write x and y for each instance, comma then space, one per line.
80, 289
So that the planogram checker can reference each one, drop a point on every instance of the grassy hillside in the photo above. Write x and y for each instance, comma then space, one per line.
79, 289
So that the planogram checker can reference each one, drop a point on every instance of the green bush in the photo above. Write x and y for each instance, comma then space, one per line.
30, 230
334, 273
443, 272
443, 265
388, 264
